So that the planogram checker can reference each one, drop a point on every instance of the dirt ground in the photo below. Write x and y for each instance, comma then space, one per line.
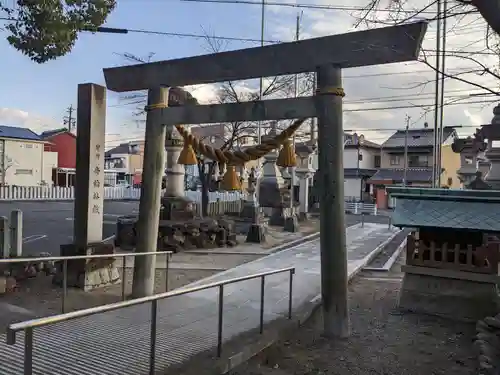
384, 341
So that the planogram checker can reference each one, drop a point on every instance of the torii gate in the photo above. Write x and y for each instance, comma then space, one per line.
327, 56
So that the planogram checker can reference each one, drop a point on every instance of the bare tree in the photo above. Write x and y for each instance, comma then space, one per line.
402, 11
233, 133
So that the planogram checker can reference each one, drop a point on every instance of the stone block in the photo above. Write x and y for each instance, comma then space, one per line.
256, 234
462, 300
277, 217
291, 224
3, 284
88, 274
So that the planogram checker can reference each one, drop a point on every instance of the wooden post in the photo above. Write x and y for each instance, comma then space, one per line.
149, 206
331, 200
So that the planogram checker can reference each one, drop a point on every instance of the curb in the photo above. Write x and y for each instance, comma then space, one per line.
389, 263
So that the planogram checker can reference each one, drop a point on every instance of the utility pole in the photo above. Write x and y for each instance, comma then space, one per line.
261, 82
296, 92
437, 95
406, 150
441, 110
69, 120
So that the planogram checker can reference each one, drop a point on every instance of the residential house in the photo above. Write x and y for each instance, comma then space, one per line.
420, 156
124, 163
361, 161
23, 161
63, 142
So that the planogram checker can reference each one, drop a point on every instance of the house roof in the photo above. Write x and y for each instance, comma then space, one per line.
446, 208
122, 148
18, 133
423, 137
358, 172
397, 174
52, 133
355, 140
205, 133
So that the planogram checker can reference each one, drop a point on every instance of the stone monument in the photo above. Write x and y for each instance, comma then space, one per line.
468, 160
271, 185
89, 197
256, 231
305, 172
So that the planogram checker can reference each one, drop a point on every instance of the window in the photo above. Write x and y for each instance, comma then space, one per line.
394, 159
28, 145
418, 160
24, 171
376, 161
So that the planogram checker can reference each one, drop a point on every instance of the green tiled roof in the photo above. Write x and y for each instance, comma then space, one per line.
447, 208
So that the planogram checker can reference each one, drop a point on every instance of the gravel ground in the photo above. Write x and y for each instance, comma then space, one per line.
383, 341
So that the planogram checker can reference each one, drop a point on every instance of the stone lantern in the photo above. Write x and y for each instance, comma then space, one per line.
305, 171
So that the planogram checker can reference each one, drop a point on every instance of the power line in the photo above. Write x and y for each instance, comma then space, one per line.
307, 6
116, 30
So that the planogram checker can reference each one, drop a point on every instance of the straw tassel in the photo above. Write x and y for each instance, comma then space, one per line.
230, 181
187, 155
286, 157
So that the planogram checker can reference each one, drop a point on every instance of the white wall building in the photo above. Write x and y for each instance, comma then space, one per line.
361, 161
23, 161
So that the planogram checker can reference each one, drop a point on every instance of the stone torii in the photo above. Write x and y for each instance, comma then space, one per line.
327, 56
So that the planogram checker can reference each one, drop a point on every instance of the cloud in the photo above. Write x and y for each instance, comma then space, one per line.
18, 117
371, 89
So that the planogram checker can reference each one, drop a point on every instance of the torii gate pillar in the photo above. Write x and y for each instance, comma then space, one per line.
332, 219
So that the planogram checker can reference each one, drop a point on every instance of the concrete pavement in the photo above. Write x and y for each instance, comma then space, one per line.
47, 225
118, 342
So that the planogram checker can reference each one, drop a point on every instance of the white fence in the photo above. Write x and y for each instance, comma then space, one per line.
359, 208
43, 193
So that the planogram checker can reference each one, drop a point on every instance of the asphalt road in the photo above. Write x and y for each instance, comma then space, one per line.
47, 225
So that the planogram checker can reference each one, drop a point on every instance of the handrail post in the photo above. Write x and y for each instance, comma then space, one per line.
124, 275
220, 317
290, 294
262, 285
152, 337
167, 269
65, 285
28, 351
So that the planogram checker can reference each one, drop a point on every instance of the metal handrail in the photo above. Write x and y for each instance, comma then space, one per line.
29, 325
65, 259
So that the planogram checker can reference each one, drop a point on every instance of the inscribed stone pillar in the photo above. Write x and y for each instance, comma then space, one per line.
89, 188
89, 196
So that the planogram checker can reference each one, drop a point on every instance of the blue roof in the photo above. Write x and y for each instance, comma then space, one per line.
446, 208
18, 133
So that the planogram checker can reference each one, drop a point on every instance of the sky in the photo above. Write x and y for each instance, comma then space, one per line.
37, 95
